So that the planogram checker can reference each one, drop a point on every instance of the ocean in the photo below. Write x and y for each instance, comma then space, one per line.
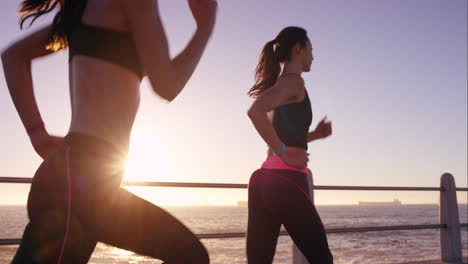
352, 248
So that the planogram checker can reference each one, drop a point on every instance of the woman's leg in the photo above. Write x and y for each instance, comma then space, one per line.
75, 201
42, 244
299, 216
132, 223
262, 228
119, 218
307, 231
54, 234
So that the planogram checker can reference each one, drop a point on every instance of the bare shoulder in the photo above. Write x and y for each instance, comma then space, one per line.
293, 85
142, 15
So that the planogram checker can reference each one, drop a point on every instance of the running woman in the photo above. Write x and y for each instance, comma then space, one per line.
75, 198
278, 191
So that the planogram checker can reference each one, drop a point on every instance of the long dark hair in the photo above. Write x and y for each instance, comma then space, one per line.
273, 54
68, 11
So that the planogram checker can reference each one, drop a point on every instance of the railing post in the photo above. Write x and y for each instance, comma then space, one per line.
450, 239
298, 258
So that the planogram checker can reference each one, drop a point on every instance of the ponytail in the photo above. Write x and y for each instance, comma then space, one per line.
267, 70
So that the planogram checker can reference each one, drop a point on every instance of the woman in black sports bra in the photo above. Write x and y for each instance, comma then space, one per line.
278, 191
75, 199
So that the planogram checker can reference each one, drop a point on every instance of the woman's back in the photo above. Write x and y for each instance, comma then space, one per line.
104, 94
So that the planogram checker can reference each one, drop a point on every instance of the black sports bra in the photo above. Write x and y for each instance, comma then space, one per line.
113, 46
291, 122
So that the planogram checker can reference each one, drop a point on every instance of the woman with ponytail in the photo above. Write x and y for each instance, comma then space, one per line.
75, 198
278, 191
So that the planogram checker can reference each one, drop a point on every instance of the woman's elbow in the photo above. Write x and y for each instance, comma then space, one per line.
167, 92
169, 97
6, 55
167, 89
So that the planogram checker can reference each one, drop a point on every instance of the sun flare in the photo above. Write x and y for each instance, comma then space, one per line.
147, 159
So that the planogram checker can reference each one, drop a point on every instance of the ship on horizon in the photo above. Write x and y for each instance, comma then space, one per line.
395, 202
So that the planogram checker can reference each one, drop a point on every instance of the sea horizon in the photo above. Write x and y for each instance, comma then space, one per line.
347, 248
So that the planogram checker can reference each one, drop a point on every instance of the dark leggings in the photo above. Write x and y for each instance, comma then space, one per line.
279, 197
76, 201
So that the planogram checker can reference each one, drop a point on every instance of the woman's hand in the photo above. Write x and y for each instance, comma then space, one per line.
295, 157
204, 13
44, 143
323, 129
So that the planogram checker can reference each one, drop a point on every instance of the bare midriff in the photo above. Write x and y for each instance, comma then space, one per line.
104, 99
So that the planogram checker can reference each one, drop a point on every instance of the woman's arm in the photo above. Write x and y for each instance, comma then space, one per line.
287, 90
16, 61
323, 130
311, 136
168, 77
204, 12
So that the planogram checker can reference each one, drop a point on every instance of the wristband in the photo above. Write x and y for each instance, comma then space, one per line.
35, 127
280, 150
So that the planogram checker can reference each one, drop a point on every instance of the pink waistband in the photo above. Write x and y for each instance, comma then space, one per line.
275, 162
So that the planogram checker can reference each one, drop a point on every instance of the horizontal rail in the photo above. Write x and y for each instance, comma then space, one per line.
10, 241
15, 180
187, 184
16, 241
341, 230
376, 188
244, 186
335, 230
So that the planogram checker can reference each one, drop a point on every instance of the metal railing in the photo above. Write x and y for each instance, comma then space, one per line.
449, 219
244, 186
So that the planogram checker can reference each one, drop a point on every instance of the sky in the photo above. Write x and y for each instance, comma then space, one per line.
390, 75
